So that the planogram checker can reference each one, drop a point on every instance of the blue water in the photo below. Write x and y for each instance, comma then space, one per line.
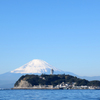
49, 94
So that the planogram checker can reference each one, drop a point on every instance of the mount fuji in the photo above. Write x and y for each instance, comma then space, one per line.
37, 66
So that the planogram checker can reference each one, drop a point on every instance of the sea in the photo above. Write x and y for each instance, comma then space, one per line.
49, 94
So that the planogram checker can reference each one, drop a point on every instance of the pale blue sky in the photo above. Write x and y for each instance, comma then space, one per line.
64, 33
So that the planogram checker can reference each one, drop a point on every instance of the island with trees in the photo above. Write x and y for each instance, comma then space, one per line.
60, 81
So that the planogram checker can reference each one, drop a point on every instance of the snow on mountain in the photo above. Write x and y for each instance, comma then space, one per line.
36, 66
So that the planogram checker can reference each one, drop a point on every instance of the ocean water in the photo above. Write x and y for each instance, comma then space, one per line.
49, 94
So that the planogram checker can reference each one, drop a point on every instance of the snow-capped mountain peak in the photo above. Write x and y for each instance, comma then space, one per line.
36, 66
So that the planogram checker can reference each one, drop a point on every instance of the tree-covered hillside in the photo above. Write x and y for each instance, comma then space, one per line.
55, 80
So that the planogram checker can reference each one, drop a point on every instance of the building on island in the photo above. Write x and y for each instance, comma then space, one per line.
52, 71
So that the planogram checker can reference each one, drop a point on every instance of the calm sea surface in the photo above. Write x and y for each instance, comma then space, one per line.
49, 94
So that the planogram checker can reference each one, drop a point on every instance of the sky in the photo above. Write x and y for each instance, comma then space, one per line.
64, 33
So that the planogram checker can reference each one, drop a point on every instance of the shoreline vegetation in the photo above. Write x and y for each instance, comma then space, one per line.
55, 82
